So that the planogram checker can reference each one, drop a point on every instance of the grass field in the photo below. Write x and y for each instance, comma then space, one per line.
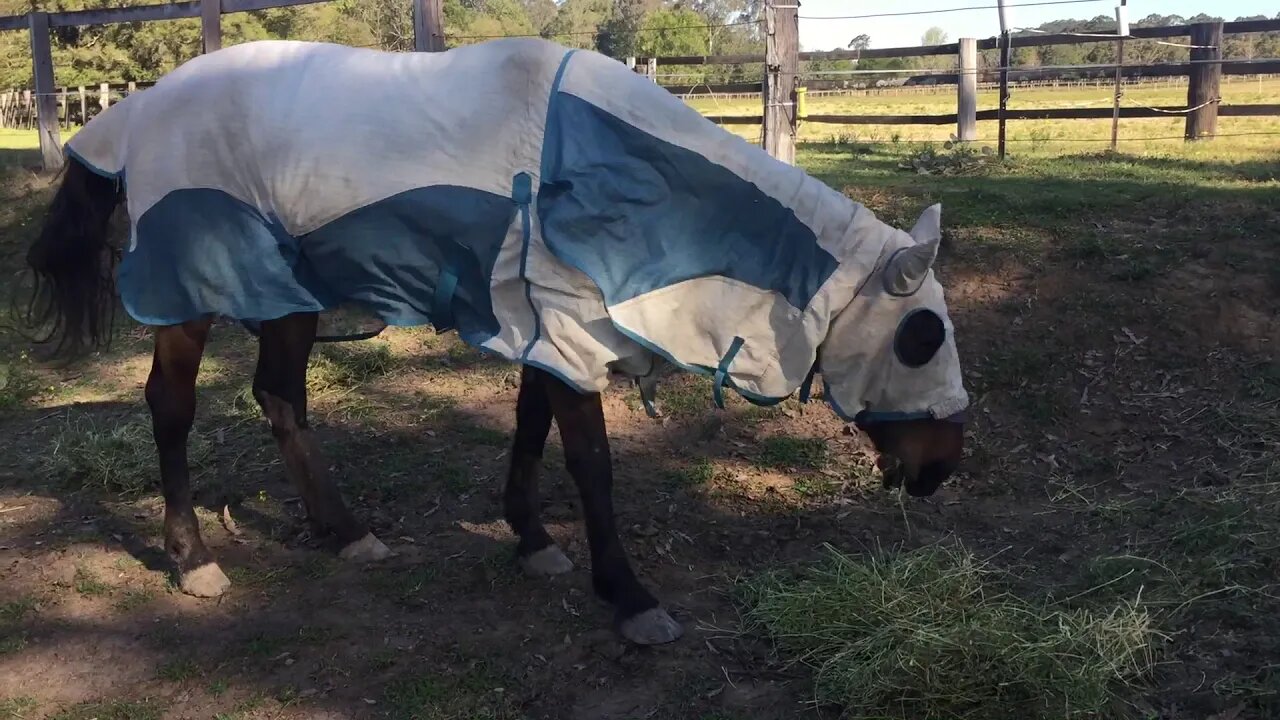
1108, 551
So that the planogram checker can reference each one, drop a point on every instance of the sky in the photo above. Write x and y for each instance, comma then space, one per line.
907, 30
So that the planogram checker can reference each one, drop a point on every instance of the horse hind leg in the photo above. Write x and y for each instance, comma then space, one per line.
171, 395
536, 552
280, 387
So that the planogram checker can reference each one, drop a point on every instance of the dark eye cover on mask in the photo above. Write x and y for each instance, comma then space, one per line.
920, 335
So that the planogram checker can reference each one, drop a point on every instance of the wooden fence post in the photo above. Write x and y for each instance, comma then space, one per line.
967, 89
104, 95
46, 100
1122, 29
211, 25
1204, 92
428, 26
782, 69
64, 110
651, 69
1006, 56
84, 106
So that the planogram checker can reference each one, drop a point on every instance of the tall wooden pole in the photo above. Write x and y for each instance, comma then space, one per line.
782, 75
428, 26
967, 91
46, 102
1204, 91
211, 25
1005, 57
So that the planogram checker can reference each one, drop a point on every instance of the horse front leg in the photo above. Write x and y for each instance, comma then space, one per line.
280, 387
586, 448
536, 552
171, 396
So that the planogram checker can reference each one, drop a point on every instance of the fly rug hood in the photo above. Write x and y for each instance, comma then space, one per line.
551, 206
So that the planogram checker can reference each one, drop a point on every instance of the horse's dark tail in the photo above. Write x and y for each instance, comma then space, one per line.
72, 299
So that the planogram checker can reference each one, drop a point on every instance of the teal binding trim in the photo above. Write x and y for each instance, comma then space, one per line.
806, 387
522, 196
442, 302
722, 371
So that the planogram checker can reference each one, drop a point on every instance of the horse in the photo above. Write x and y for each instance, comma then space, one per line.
548, 204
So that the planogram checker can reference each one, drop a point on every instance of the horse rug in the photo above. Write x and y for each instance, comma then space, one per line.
552, 206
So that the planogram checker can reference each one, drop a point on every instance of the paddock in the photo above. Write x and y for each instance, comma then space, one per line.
1117, 317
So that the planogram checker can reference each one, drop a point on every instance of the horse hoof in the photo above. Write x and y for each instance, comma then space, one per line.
550, 560
365, 550
206, 581
651, 627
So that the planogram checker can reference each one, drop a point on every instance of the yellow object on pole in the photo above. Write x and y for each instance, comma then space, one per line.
802, 110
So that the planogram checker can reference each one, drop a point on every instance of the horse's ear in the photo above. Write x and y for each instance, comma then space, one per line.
909, 266
928, 227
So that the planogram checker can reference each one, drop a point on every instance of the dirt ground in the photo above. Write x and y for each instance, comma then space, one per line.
1119, 324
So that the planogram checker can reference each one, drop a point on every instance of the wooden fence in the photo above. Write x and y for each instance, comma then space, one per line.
1204, 71
75, 104
782, 89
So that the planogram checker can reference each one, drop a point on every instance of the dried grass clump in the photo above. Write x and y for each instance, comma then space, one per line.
119, 459
930, 634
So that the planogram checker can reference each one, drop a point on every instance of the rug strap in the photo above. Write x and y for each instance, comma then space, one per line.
722, 371
442, 303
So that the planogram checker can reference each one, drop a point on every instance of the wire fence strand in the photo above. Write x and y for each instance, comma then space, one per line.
906, 13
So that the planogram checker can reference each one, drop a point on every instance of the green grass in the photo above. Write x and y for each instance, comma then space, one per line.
179, 670
472, 694
17, 708
697, 473
88, 584
13, 614
791, 453
217, 687
1026, 137
15, 611
12, 641
18, 384
933, 633
133, 598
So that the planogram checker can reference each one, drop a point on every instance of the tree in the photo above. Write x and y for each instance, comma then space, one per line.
721, 18
620, 34
673, 32
862, 42
576, 22
541, 13
934, 36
